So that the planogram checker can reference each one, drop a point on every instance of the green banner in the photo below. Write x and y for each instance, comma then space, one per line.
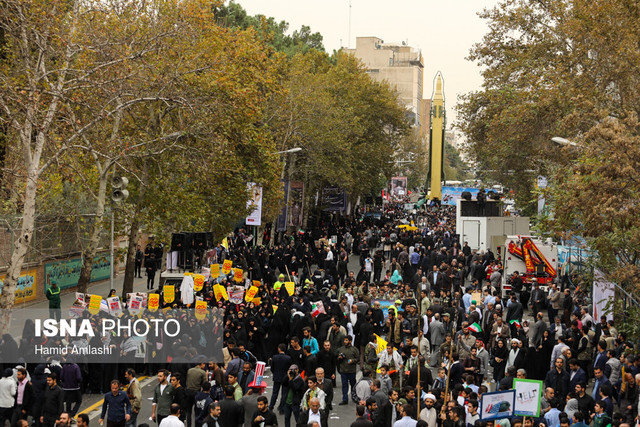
66, 273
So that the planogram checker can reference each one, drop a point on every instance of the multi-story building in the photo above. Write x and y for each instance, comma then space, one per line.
401, 66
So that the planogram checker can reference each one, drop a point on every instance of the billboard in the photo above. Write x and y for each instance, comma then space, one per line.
26, 288
334, 199
254, 204
450, 195
398, 187
296, 198
281, 224
67, 273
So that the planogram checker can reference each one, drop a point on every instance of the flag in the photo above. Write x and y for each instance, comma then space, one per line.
317, 308
382, 344
475, 327
515, 322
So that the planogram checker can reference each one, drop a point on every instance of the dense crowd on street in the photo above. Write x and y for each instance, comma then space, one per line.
414, 336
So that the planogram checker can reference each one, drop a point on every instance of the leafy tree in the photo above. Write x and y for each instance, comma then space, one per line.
570, 69
273, 32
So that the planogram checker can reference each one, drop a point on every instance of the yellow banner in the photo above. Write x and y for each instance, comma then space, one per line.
188, 274
220, 292
169, 293
198, 282
154, 302
382, 344
27, 286
251, 293
239, 275
291, 287
275, 308
94, 304
257, 283
215, 270
201, 309
256, 301
226, 266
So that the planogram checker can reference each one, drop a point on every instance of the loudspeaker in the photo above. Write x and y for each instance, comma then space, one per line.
468, 208
465, 195
200, 240
209, 239
119, 195
540, 270
368, 200
177, 242
378, 200
492, 208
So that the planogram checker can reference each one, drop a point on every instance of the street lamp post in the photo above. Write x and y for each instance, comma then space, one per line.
282, 176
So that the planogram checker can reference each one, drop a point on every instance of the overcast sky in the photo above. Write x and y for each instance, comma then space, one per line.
443, 30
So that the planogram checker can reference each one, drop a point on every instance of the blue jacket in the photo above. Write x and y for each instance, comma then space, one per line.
313, 343
119, 406
579, 377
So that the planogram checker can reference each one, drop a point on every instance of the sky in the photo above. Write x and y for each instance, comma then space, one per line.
443, 30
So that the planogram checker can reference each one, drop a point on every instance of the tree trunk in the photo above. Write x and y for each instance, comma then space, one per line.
21, 245
129, 271
90, 250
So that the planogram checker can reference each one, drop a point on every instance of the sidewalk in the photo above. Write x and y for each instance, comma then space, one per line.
68, 297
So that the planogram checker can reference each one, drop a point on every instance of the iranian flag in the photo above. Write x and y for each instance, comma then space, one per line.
317, 308
515, 322
475, 328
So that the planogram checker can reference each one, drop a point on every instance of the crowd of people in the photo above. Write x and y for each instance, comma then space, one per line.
413, 336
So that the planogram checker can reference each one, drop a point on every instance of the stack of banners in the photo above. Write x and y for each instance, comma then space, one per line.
251, 294
226, 266
169, 293
201, 310
290, 287
115, 308
236, 294
317, 308
154, 302
94, 304
238, 275
198, 282
215, 270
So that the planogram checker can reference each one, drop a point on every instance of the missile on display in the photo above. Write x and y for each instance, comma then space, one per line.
436, 141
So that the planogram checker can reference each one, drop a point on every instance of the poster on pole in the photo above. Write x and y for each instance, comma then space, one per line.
398, 187
281, 224
603, 292
496, 405
254, 204
528, 396
296, 197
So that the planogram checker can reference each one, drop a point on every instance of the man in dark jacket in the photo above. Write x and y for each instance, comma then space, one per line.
118, 405
279, 366
53, 403
558, 379
25, 399
295, 390
232, 413
263, 417
314, 409
71, 378
327, 360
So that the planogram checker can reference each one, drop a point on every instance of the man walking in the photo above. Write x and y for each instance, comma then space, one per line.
162, 398
116, 406
53, 404
348, 356
134, 393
